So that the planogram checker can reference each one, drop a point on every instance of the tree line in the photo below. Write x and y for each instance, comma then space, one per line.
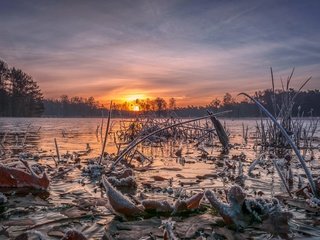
72, 107
20, 96
76, 106
306, 104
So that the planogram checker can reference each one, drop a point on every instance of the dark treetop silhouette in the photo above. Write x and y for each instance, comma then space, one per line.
20, 96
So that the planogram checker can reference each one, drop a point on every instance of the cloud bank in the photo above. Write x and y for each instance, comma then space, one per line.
190, 50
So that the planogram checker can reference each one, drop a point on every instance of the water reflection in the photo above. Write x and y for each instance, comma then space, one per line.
196, 173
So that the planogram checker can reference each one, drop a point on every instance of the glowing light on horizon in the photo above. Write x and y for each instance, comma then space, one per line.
133, 97
136, 108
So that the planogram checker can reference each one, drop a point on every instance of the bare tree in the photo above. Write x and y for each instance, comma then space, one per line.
160, 105
4, 98
228, 99
215, 103
172, 103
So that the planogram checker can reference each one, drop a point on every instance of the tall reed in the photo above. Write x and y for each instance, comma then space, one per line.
139, 140
106, 134
289, 140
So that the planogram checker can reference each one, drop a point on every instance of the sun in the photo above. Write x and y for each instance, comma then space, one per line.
136, 108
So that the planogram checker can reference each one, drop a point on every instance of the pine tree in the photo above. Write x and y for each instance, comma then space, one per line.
20, 96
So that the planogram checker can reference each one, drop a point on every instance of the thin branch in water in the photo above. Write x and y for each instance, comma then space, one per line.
272, 79
57, 149
281, 177
302, 86
102, 121
274, 104
294, 147
289, 79
106, 135
137, 141
221, 132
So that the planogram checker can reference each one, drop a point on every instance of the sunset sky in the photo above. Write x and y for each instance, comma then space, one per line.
190, 50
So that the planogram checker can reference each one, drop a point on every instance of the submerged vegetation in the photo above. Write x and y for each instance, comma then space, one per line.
150, 187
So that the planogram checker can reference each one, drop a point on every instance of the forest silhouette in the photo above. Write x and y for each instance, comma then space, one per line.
20, 96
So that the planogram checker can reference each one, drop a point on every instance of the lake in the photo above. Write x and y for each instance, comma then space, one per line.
52, 212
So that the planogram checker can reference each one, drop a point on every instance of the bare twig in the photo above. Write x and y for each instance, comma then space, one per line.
294, 147
106, 135
57, 149
281, 177
138, 141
